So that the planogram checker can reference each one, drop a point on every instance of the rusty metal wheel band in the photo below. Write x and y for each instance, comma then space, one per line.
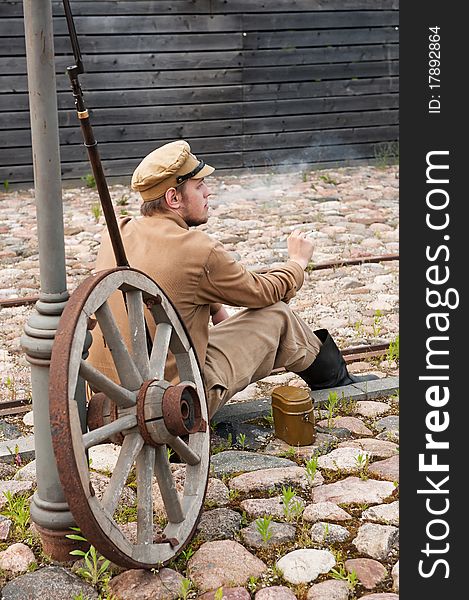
95, 516
140, 413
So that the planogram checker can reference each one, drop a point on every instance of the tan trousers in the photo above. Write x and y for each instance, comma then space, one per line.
247, 346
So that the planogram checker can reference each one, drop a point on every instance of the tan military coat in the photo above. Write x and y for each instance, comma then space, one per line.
197, 274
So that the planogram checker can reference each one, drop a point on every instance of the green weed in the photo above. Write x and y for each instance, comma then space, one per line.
218, 594
311, 467
233, 495
362, 462
289, 452
241, 440
332, 401
96, 211
341, 573
186, 586
11, 387
358, 326
123, 200
292, 508
386, 154
16, 455
263, 527
328, 179
96, 567
270, 417
377, 323
89, 180
17, 510
393, 350
126, 514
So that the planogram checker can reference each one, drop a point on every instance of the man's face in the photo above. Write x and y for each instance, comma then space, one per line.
194, 198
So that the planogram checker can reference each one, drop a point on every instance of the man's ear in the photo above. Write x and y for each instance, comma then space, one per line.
172, 198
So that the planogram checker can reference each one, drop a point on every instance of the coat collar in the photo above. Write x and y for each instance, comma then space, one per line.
171, 216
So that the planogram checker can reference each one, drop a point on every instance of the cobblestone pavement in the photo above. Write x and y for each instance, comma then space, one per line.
353, 212
338, 536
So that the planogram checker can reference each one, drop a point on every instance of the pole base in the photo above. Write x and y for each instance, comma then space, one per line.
58, 547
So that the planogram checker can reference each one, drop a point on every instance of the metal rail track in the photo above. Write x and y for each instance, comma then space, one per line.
352, 354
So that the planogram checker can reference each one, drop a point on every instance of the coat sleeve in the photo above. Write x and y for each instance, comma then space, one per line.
227, 281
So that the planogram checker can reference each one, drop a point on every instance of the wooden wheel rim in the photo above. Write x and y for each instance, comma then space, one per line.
93, 516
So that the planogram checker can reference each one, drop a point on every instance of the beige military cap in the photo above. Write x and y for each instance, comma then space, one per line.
167, 166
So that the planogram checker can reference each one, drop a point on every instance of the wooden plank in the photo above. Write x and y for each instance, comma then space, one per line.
246, 6
275, 108
307, 56
95, 63
319, 20
138, 7
133, 132
128, 98
321, 72
178, 42
100, 63
320, 37
321, 121
135, 80
345, 87
321, 154
304, 139
146, 7
122, 25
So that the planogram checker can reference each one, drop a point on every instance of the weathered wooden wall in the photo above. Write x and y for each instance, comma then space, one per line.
250, 83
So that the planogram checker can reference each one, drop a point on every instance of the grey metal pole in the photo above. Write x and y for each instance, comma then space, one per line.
49, 510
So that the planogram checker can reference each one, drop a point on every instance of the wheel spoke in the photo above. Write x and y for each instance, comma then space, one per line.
187, 455
159, 352
168, 490
130, 448
145, 462
122, 397
98, 436
125, 366
138, 332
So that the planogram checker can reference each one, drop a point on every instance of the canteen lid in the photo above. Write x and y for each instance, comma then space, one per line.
290, 398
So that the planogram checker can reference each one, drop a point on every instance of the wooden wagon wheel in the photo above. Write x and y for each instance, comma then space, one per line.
144, 412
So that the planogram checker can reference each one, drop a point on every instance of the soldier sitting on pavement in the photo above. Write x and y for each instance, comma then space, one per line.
200, 277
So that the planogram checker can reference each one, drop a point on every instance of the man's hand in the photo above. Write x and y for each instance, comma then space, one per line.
220, 316
300, 247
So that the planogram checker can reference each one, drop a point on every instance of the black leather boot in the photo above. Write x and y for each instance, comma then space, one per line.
329, 369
